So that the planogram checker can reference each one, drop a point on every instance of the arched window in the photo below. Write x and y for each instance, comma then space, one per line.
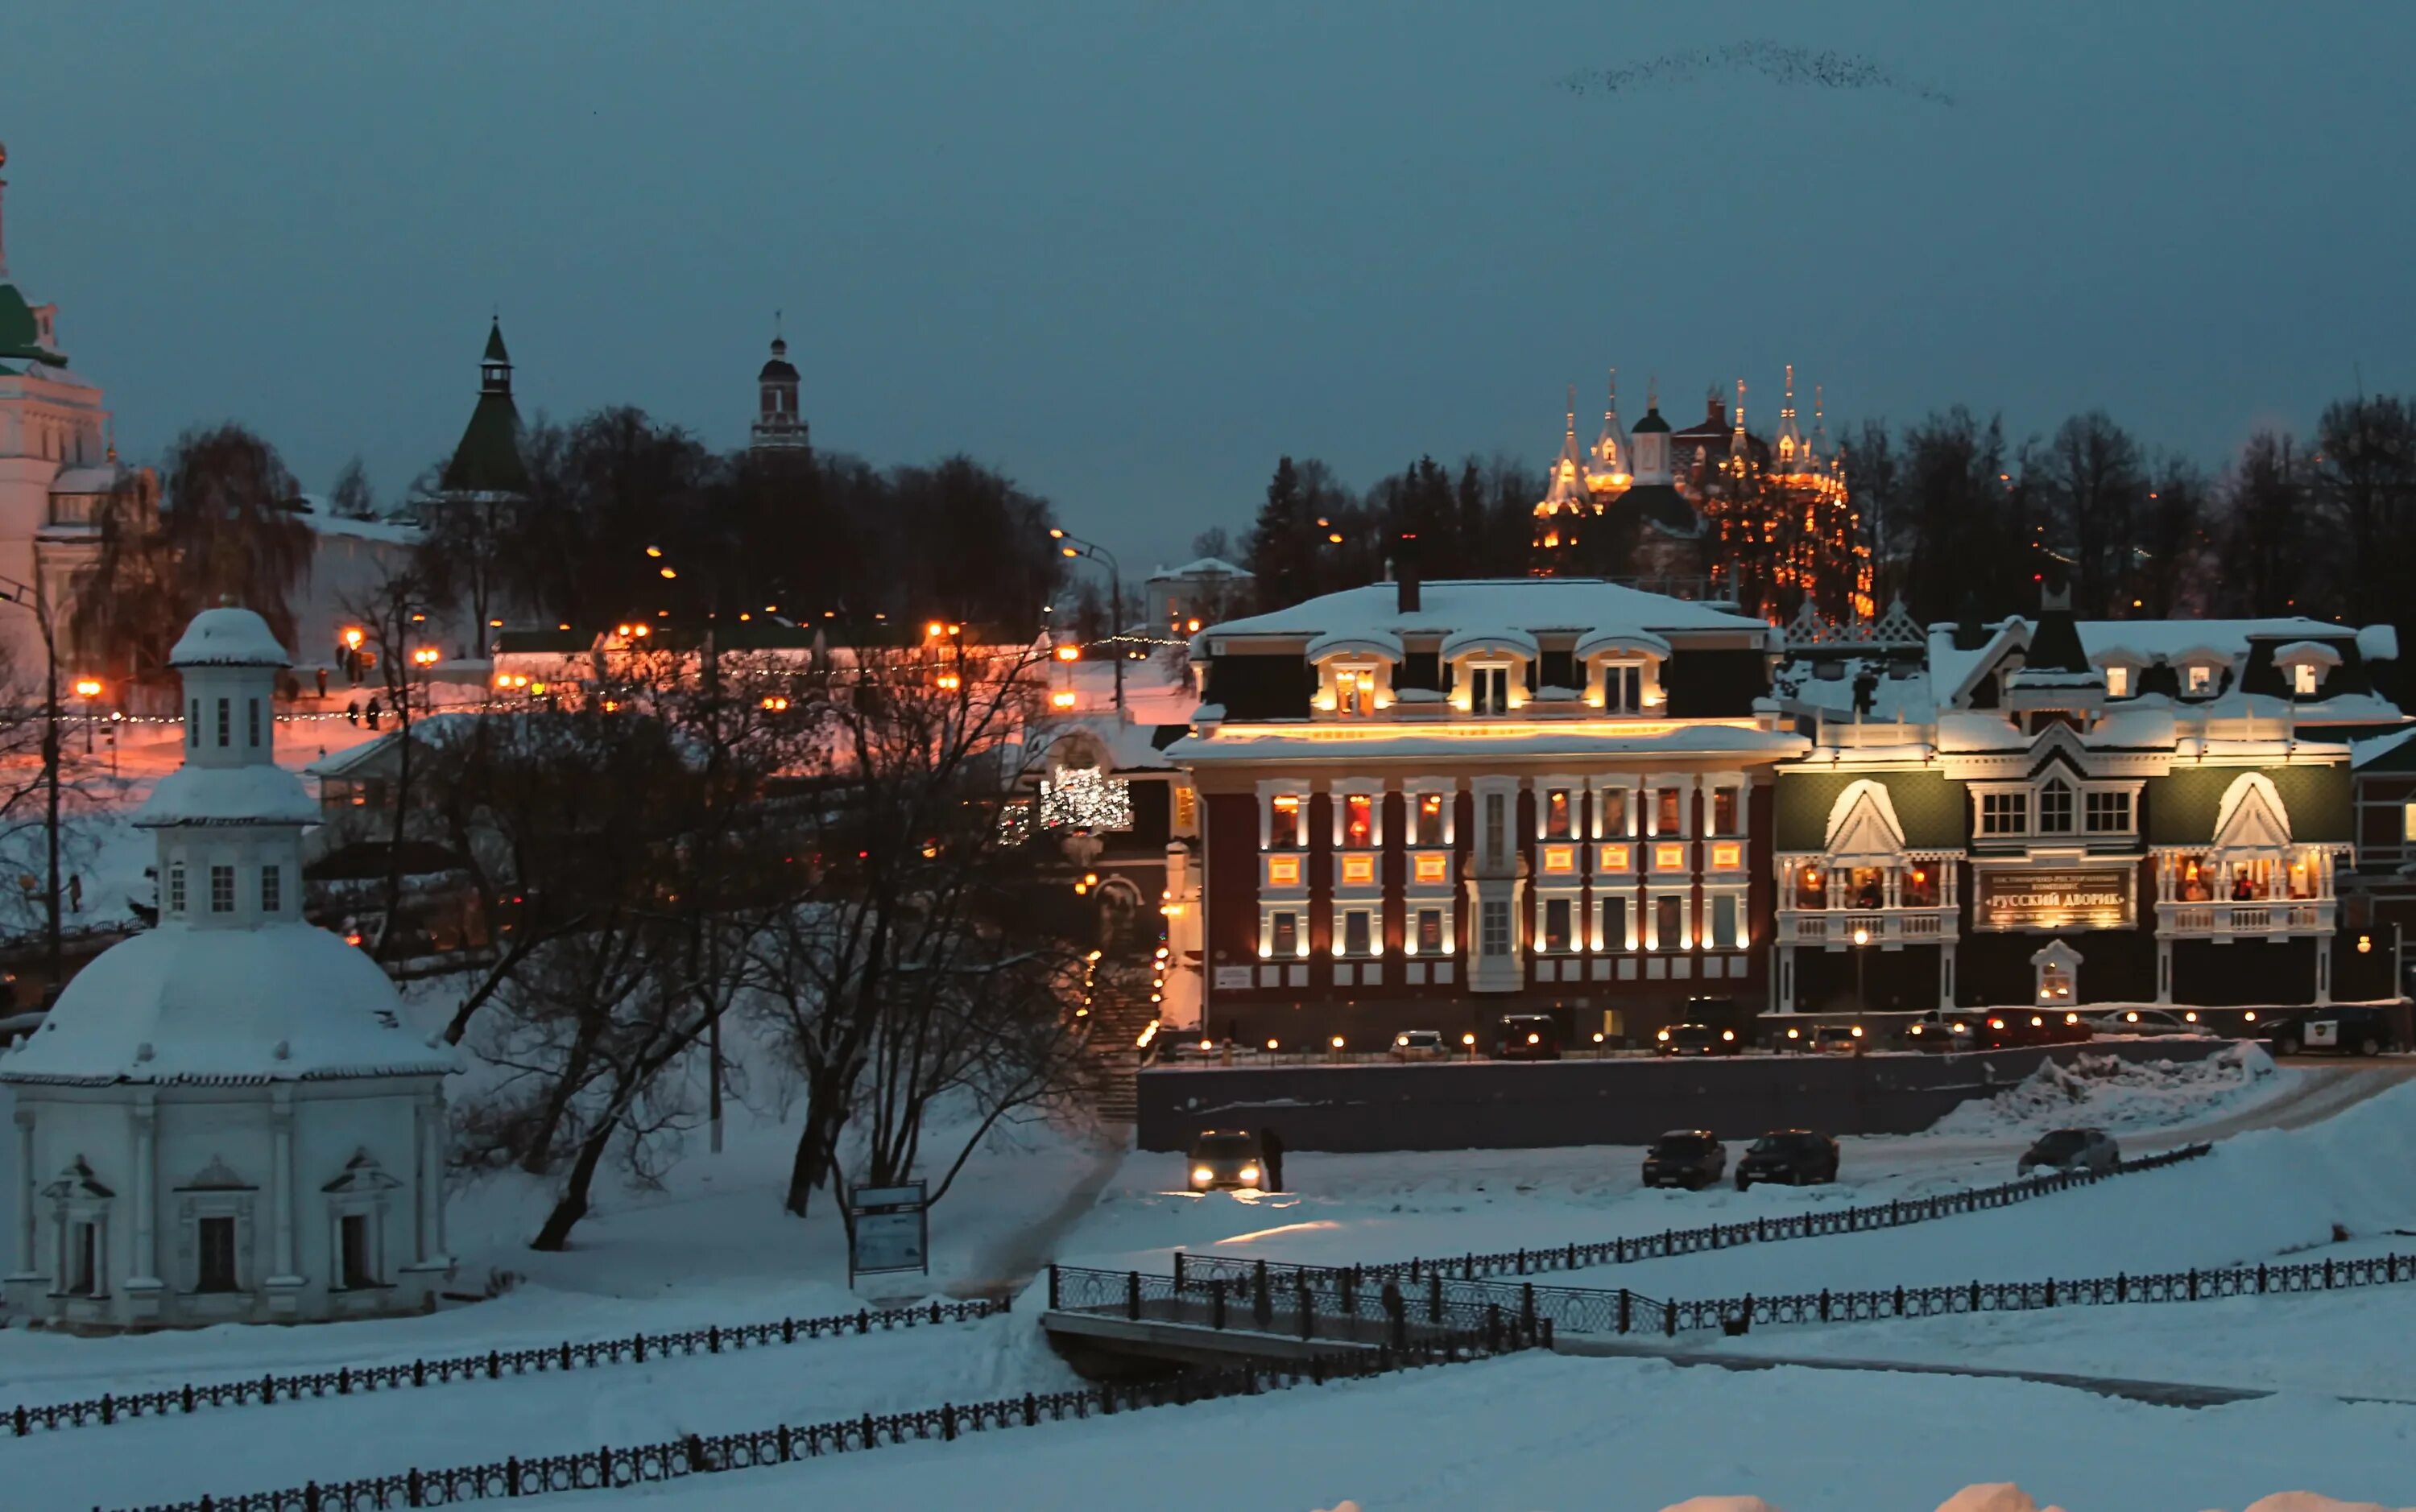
2055, 808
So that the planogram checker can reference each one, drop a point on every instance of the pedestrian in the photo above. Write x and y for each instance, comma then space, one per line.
373, 712
1396, 1315
352, 710
75, 892
1271, 1159
323, 682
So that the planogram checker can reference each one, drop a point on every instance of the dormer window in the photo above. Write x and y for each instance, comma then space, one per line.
1622, 688
1490, 689
1354, 690
2118, 682
2197, 680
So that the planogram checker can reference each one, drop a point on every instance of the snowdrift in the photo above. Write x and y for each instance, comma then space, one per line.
2113, 1093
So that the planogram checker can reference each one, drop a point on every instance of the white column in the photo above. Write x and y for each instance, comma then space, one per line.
280, 1191
145, 1260
434, 1183
25, 1191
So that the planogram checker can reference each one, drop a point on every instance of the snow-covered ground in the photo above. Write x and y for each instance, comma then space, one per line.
2121, 1096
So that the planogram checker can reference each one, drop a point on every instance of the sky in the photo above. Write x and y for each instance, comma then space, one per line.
1131, 254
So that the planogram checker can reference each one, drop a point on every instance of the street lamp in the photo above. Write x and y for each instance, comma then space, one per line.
1862, 1003
1074, 545
87, 688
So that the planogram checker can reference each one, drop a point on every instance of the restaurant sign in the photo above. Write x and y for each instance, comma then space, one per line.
2095, 897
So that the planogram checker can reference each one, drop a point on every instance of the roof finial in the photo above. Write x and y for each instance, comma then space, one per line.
1611, 411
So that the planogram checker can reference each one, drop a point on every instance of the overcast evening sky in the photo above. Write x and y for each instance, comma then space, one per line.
1131, 252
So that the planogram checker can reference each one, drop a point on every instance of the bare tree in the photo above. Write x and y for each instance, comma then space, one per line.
352, 498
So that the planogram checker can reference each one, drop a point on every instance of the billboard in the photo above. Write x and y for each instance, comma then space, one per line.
2077, 897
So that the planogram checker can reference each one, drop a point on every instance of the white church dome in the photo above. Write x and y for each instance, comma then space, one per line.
228, 638
277, 1002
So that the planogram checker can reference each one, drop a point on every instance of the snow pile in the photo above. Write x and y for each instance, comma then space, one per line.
2107, 1092
2007, 1497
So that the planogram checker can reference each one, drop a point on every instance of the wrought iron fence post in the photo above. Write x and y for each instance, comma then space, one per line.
1178, 1273
2260, 1281
1132, 1295
1052, 1286
1899, 1301
2193, 1284
2328, 1273
1626, 1299
1493, 1327
1824, 1304
2050, 1291
1670, 1319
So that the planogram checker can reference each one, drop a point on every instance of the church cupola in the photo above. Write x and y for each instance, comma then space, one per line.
495, 364
1609, 466
1651, 443
487, 462
779, 424
1568, 492
1794, 454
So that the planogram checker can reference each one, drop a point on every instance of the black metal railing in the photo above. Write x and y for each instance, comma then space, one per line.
609, 1467
1810, 1225
1307, 1303
349, 1380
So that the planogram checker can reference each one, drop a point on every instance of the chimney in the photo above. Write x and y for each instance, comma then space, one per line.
1406, 572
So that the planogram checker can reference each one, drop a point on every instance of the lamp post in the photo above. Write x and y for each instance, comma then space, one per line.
1862, 1003
1074, 545
87, 688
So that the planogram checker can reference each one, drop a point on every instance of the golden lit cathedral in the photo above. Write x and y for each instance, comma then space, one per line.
1709, 511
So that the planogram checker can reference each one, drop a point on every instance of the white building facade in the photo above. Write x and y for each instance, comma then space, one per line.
223, 1119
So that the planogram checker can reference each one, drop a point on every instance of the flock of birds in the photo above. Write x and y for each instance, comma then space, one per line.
1797, 67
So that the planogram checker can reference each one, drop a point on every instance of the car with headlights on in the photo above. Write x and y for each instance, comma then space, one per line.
1697, 1039
1798, 1157
2091, 1150
1527, 1037
1939, 1033
1420, 1045
1225, 1160
2149, 1021
1689, 1158
1838, 1040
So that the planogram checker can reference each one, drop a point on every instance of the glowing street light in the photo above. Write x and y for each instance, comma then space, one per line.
88, 688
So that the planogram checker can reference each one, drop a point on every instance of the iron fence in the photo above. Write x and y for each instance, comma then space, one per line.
609, 1467
348, 1380
1811, 1225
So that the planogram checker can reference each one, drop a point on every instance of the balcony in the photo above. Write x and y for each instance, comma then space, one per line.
1887, 928
2230, 920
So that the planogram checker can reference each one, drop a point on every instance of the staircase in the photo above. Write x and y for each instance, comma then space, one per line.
1120, 1011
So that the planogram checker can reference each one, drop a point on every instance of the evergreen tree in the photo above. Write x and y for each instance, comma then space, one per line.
1277, 541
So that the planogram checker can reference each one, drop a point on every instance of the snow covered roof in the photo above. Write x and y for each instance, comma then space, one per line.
1123, 745
2147, 641
228, 638
1382, 743
1528, 604
100, 479
2378, 643
1485, 638
1204, 567
179, 1003
2311, 652
258, 793
1355, 642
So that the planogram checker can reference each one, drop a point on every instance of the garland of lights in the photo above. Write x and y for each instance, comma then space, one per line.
1085, 798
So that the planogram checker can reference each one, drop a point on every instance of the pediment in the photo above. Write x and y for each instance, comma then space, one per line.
2252, 817
1862, 823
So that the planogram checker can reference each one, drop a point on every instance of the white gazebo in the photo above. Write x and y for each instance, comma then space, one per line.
223, 1119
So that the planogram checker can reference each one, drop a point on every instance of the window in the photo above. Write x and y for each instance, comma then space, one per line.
1354, 933
251, 722
1724, 811
193, 724
1284, 827
1494, 938
1727, 912
2055, 808
1614, 810
1285, 933
1432, 867
2004, 813
1918, 887
1617, 858
1666, 804
223, 720
359, 1259
1358, 821
176, 888
1622, 688
1425, 821
1558, 815
1429, 932
1614, 924
1354, 691
2118, 682
2303, 680
272, 888
2408, 821
1556, 924
1669, 923
1187, 808
2198, 678
214, 1244
222, 890
2110, 814
84, 1260
1497, 826
1489, 690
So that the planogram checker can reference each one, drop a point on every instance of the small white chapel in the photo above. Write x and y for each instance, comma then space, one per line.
223, 1118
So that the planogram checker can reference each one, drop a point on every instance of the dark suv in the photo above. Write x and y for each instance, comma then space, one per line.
2346, 1031
1798, 1157
1689, 1158
1697, 1039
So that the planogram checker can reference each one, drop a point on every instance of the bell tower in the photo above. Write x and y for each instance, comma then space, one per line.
780, 425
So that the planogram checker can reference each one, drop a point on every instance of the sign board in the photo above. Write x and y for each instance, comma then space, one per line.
888, 1229
2325, 1033
2086, 897
1232, 975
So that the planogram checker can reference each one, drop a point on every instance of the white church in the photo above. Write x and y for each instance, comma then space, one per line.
223, 1119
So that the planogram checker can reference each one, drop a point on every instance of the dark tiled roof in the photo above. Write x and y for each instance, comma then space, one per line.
2181, 806
1931, 808
488, 458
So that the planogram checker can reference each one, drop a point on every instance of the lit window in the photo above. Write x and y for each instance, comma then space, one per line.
2118, 682
1665, 811
1358, 870
1284, 829
2110, 814
1560, 859
2055, 808
1187, 808
2303, 680
1494, 938
2004, 813
1668, 858
1433, 866
1284, 930
1669, 923
1428, 939
1614, 811
222, 890
1556, 924
2198, 678
1727, 855
1283, 871
1557, 816
1354, 691
1358, 821
1425, 823
1724, 811
2408, 821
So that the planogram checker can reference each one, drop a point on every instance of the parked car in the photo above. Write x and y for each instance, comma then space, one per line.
1697, 1039
2347, 1031
1837, 1038
1224, 1160
1689, 1158
1795, 1156
1420, 1045
2072, 1150
2037, 1026
1528, 1037
1939, 1032
2149, 1021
